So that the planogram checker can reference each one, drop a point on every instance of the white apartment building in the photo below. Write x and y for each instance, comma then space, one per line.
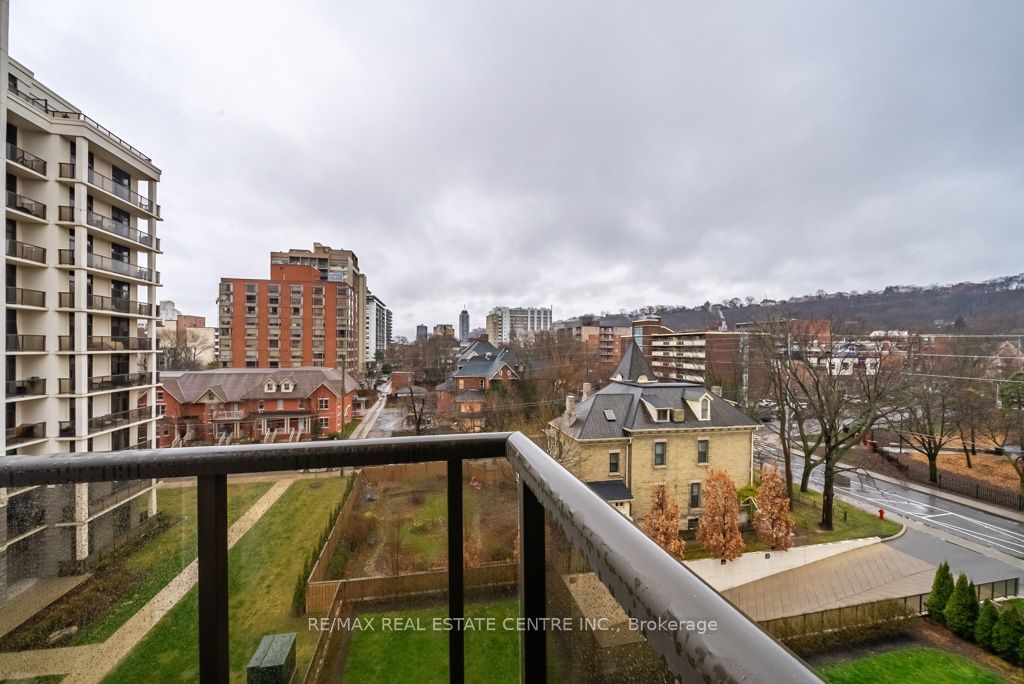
79, 323
378, 327
505, 323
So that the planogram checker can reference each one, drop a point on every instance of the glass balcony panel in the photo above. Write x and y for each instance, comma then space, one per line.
26, 205
26, 159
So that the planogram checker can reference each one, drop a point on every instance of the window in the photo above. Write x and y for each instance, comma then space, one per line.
324, 404
609, 415
705, 409
695, 495
662, 415
286, 386
260, 405
323, 423
270, 386
280, 404
702, 451
659, 454
691, 523
613, 462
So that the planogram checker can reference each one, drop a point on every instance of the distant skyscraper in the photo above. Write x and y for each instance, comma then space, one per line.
464, 326
421, 332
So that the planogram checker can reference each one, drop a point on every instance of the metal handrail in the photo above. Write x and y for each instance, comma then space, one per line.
26, 251
26, 343
119, 228
41, 103
124, 268
646, 581
105, 303
26, 159
20, 296
123, 191
26, 204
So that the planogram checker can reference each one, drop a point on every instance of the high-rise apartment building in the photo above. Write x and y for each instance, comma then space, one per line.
464, 326
506, 323
79, 323
310, 312
378, 327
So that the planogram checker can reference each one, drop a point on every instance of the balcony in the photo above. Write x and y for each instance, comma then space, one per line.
111, 382
65, 428
123, 268
113, 420
42, 104
26, 432
106, 343
118, 305
66, 257
66, 171
19, 296
26, 252
26, 159
228, 415
32, 387
123, 229
551, 515
123, 192
26, 343
26, 205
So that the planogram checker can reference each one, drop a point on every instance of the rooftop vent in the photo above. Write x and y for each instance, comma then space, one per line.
609, 414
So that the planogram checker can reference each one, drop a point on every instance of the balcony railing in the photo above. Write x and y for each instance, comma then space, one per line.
23, 250
65, 428
26, 159
122, 229
124, 192
32, 387
26, 432
66, 257
42, 104
20, 296
646, 582
229, 415
120, 305
66, 170
111, 343
108, 382
112, 420
121, 268
26, 343
26, 204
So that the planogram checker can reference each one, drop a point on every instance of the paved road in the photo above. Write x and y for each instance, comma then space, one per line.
941, 514
390, 419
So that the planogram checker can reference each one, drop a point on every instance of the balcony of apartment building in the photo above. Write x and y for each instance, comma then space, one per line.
25, 344
106, 383
111, 227
576, 573
119, 419
24, 163
22, 208
25, 254
41, 104
121, 195
24, 434
111, 344
125, 269
32, 387
121, 306
25, 298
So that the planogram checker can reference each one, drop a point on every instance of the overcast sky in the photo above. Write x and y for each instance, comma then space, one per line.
591, 156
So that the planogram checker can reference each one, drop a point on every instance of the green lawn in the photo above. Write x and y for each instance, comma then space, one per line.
910, 665
263, 567
166, 555
491, 656
807, 513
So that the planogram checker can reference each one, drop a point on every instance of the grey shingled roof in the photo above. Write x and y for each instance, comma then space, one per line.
239, 384
633, 365
626, 400
611, 490
477, 348
487, 367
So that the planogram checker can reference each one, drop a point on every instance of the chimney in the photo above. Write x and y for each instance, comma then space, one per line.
586, 391
716, 390
570, 406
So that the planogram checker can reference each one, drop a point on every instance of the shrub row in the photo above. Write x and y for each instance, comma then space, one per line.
299, 594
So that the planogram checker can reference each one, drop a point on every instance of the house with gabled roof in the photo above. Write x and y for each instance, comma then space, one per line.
638, 432
479, 368
228, 404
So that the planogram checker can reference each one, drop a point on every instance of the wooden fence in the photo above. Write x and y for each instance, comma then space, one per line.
835, 619
323, 561
489, 471
321, 595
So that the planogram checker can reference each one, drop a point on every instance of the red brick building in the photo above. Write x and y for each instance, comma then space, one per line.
305, 314
230, 404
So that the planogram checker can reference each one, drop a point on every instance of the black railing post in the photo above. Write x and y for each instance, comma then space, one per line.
532, 606
213, 578
456, 603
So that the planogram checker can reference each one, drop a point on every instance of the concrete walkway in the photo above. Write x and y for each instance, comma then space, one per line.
90, 664
369, 420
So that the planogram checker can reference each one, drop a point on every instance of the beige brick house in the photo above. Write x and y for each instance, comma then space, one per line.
638, 432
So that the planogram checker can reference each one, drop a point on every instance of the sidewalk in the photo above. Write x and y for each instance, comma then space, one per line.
90, 664
369, 420
1001, 511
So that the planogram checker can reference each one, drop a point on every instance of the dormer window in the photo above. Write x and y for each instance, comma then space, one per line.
705, 409
662, 415
270, 386
287, 386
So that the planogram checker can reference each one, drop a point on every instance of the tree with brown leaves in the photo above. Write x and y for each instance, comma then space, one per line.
662, 522
718, 530
773, 519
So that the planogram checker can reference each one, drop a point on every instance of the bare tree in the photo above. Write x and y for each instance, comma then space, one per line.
422, 410
927, 418
182, 348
